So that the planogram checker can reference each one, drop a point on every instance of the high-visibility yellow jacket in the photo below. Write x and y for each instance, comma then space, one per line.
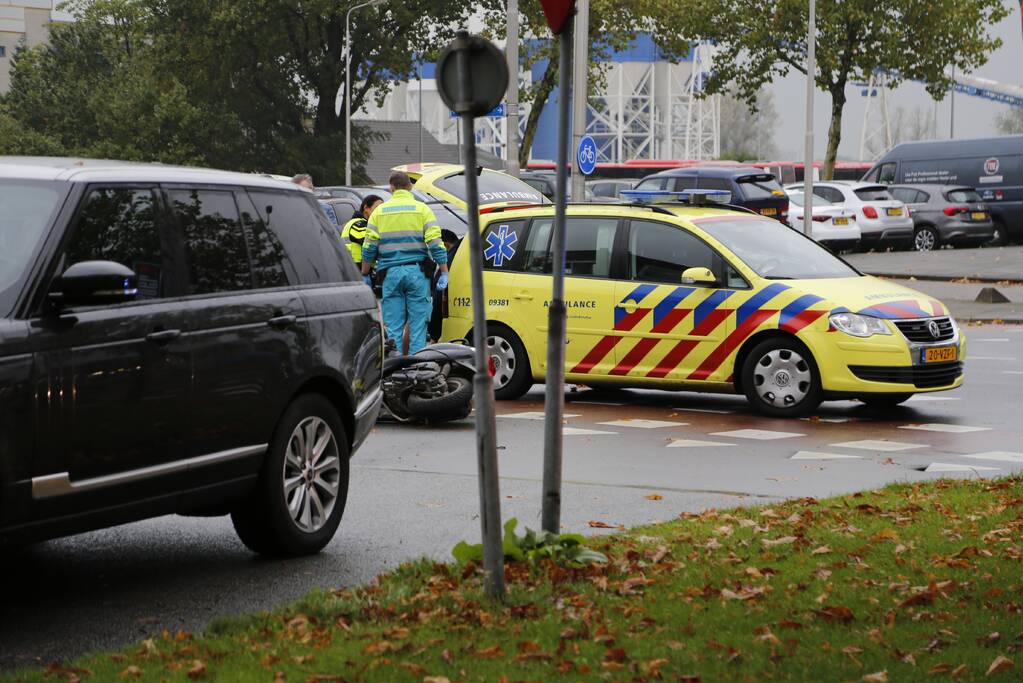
353, 235
402, 231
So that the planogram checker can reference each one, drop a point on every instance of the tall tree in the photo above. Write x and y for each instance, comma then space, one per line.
245, 84
748, 134
908, 39
1010, 121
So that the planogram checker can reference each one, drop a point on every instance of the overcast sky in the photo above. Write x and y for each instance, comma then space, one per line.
974, 117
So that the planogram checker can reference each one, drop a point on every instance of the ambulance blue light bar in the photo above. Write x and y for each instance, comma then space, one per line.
693, 197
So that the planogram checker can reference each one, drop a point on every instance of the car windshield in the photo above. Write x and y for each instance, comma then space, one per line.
762, 186
775, 251
964, 196
797, 199
26, 210
877, 193
494, 188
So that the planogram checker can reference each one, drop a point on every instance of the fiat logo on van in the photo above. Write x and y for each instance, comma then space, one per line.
991, 166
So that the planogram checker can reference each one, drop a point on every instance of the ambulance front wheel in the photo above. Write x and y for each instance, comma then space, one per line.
781, 378
508, 362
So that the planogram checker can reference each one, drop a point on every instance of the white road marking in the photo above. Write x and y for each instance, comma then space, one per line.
878, 445
947, 428
814, 455
535, 415
928, 397
576, 431
758, 434
643, 424
948, 467
830, 420
1004, 456
705, 410
997, 339
695, 443
969, 358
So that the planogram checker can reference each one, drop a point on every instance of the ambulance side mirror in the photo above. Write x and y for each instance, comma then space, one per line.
698, 276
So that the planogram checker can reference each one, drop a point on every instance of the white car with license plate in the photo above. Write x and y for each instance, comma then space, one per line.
884, 221
833, 226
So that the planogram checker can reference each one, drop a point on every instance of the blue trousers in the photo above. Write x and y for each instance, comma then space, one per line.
407, 300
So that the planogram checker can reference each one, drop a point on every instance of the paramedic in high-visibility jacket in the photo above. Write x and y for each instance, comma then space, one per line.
403, 240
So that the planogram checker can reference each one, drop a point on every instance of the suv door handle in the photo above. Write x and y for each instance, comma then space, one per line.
524, 296
282, 321
163, 336
629, 306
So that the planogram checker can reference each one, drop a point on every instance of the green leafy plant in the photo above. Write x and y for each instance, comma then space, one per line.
533, 546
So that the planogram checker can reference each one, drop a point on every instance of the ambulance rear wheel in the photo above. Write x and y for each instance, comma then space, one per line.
781, 378
509, 363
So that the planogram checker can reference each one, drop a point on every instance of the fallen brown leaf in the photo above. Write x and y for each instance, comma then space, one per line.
654, 496
877, 677
771, 542
837, 613
822, 550
198, 669
1000, 663
597, 524
131, 672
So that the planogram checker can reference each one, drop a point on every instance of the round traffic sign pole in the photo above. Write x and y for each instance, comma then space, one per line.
472, 77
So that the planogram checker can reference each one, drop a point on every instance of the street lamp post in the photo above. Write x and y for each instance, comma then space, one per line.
811, 75
348, 86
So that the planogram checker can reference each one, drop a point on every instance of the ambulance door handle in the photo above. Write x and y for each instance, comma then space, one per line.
629, 306
524, 296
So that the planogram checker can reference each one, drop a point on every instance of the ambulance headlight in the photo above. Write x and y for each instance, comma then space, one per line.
859, 325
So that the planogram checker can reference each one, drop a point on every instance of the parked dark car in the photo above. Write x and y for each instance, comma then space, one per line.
608, 189
339, 210
177, 340
451, 219
751, 187
945, 214
994, 166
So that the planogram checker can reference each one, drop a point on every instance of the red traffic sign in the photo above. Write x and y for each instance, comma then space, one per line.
558, 12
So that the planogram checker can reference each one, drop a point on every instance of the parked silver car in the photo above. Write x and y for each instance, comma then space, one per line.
945, 214
884, 221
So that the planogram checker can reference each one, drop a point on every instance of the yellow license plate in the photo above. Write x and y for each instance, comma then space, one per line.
978, 215
841, 221
895, 212
769, 212
943, 354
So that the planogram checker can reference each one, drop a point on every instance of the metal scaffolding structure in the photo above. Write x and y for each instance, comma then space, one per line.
648, 108
876, 130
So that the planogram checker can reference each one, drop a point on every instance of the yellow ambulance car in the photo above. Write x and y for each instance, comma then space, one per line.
692, 296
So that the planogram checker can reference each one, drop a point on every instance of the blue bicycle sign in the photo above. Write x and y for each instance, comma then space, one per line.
586, 155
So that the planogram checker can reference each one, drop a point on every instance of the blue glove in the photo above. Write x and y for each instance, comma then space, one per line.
368, 279
442, 282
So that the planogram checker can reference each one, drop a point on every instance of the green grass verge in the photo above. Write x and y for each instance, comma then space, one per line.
908, 583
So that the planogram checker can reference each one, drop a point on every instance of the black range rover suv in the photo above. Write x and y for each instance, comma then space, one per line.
177, 340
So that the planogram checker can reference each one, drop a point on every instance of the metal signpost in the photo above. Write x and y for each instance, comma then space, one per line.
472, 77
559, 14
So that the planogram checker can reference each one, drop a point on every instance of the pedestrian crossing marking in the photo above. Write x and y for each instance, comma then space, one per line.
946, 428
643, 424
757, 434
878, 445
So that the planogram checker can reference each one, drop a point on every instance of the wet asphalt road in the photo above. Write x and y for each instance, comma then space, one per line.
414, 493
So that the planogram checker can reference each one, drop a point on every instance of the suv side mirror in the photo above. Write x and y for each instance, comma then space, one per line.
93, 283
698, 276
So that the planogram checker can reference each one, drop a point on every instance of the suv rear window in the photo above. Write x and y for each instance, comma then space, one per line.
763, 186
309, 240
873, 194
494, 188
964, 196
